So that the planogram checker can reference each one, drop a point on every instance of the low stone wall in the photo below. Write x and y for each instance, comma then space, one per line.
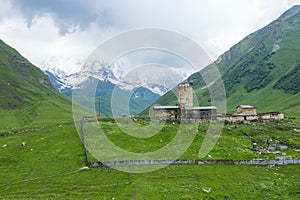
234, 118
198, 162
163, 114
252, 118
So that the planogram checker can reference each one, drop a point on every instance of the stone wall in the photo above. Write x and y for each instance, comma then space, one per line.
193, 162
191, 115
260, 117
194, 116
166, 114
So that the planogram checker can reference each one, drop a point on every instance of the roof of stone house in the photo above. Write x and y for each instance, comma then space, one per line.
200, 108
245, 106
186, 107
205, 108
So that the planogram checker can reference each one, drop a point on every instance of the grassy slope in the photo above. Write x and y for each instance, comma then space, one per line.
251, 72
26, 96
284, 60
51, 168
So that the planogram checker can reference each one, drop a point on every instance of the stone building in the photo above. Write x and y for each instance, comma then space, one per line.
248, 113
185, 111
167, 112
245, 110
251, 118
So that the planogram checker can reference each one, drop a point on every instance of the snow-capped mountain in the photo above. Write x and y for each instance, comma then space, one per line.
145, 83
70, 72
63, 72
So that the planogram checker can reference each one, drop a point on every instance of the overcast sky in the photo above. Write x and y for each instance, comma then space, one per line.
74, 28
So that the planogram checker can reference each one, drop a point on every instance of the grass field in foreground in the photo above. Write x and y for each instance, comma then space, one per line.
48, 168
173, 182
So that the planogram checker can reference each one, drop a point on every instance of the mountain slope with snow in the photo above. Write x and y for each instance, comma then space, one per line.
143, 83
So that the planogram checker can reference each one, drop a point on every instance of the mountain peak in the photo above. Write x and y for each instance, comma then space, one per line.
293, 8
289, 15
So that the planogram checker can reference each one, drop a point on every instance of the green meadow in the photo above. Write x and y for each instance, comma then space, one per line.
50, 165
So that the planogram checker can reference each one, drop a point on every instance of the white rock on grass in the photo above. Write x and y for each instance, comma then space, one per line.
83, 168
206, 190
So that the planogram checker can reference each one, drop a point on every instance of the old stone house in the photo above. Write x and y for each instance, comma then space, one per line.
185, 111
245, 110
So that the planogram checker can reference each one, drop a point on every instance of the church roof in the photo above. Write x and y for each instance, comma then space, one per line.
166, 107
205, 108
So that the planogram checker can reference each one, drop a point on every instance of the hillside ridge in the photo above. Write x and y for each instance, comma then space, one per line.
26, 94
260, 69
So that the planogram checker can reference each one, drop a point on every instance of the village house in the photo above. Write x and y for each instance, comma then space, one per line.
245, 110
248, 114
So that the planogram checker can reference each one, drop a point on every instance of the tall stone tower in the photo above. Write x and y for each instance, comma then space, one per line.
185, 95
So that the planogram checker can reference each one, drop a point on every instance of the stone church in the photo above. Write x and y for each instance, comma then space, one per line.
185, 111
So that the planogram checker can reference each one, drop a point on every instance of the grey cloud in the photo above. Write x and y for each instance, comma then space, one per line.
66, 13
215, 25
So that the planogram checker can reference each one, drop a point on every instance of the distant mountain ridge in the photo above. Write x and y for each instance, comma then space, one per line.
67, 73
140, 97
144, 85
261, 70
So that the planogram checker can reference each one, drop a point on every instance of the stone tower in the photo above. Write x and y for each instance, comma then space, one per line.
185, 95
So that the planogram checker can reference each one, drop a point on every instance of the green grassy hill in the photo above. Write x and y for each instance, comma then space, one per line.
26, 95
261, 70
